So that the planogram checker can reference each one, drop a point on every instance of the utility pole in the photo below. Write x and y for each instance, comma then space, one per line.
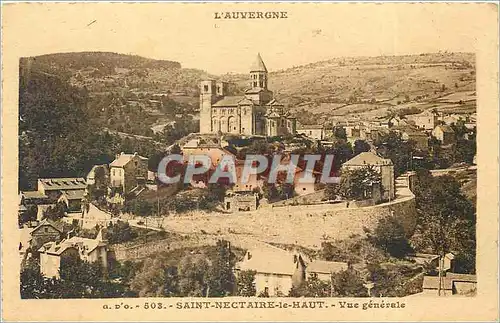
439, 274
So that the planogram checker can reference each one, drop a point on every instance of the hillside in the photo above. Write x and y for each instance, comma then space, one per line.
369, 87
140, 95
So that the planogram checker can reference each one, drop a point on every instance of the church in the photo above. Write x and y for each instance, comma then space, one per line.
255, 113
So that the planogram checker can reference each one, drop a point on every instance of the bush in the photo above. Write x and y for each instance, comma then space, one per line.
390, 236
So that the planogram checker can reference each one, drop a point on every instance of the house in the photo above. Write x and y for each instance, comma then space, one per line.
420, 139
240, 201
323, 270
72, 200
92, 174
450, 284
426, 120
315, 131
383, 166
45, 231
445, 134
53, 254
205, 147
398, 121
54, 187
128, 171
277, 270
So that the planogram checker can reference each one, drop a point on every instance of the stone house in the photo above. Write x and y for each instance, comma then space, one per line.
420, 139
316, 131
445, 134
54, 187
53, 254
426, 120
240, 201
383, 166
450, 284
277, 270
45, 231
128, 171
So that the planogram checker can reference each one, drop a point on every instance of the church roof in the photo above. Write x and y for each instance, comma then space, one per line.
258, 65
229, 101
233, 101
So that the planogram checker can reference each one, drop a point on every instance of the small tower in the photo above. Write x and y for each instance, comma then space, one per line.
208, 93
258, 74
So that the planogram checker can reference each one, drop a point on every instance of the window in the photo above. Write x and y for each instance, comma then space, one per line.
205, 87
45, 229
254, 84
261, 84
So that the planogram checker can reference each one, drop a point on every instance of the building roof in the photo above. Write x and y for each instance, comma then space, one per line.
310, 126
123, 159
82, 244
74, 195
367, 158
254, 90
258, 65
446, 128
66, 183
269, 261
47, 222
432, 282
229, 101
33, 195
326, 267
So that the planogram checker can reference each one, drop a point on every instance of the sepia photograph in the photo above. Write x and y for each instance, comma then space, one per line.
244, 158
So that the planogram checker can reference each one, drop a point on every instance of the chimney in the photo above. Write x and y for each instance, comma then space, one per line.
295, 259
249, 255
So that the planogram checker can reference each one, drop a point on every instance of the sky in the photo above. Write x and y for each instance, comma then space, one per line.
189, 34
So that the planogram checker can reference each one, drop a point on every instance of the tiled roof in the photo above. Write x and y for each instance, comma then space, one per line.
47, 222
229, 101
326, 267
446, 128
81, 244
310, 126
71, 183
254, 90
432, 282
75, 195
33, 195
124, 159
269, 261
258, 65
367, 158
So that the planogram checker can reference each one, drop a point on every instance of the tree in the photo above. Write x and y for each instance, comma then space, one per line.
392, 146
312, 287
389, 235
245, 283
339, 132
139, 207
348, 283
221, 280
446, 219
361, 146
120, 232
357, 184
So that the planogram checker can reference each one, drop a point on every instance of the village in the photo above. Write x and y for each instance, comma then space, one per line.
279, 232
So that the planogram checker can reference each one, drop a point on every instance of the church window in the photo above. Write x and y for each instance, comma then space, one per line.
261, 84
205, 87
254, 84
